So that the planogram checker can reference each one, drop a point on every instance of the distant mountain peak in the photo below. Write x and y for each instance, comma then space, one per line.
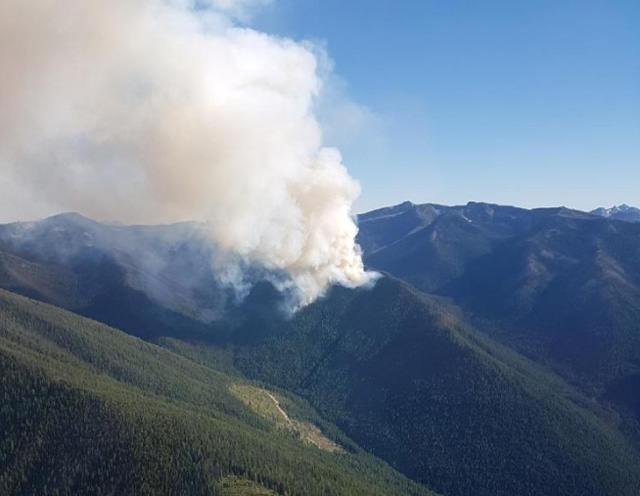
618, 212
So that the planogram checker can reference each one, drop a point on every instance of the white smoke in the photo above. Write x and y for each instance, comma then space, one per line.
152, 111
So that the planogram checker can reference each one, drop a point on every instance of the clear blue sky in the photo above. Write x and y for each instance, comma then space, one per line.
525, 102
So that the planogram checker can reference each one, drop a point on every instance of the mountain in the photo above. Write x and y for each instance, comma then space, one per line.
87, 409
561, 286
150, 281
622, 212
408, 379
429, 245
453, 380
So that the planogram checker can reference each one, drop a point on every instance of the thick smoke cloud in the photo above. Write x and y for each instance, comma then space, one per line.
149, 111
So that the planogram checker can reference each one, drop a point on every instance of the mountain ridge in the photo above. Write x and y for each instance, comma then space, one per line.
387, 376
619, 212
440, 369
560, 286
91, 410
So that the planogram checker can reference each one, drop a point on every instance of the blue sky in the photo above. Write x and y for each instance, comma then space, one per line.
531, 103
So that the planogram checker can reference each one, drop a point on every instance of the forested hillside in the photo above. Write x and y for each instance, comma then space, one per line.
561, 286
432, 379
148, 281
409, 380
89, 410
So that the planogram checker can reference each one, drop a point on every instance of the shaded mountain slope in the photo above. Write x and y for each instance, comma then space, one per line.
401, 372
403, 375
430, 245
571, 287
559, 285
151, 281
89, 410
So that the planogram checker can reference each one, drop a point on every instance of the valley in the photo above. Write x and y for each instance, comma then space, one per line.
496, 355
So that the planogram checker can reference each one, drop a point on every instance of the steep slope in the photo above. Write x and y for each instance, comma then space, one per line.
89, 410
151, 281
383, 227
430, 245
576, 282
405, 377
561, 286
402, 372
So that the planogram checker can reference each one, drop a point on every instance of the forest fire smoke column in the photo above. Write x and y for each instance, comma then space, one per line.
158, 111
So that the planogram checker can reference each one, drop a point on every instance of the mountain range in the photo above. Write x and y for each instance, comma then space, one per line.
560, 286
499, 354
622, 212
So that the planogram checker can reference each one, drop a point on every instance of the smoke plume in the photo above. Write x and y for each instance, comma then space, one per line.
155, 111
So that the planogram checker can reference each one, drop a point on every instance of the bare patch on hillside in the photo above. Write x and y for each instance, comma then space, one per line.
236, 486
267, 405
